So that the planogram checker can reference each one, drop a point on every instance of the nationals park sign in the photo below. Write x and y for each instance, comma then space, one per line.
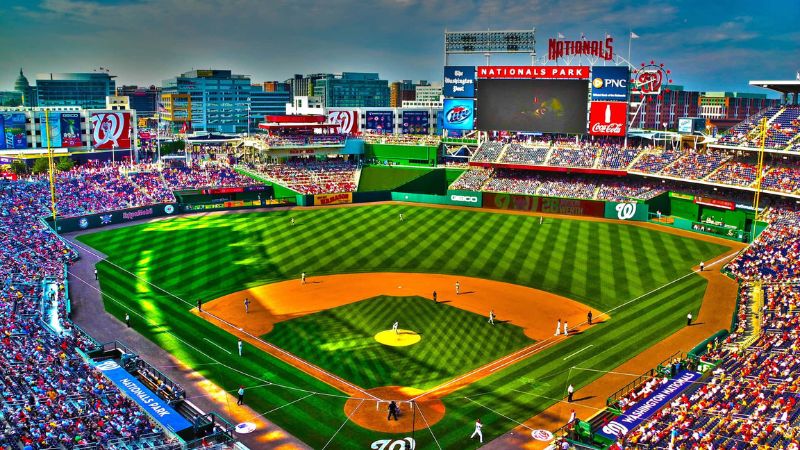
534, 72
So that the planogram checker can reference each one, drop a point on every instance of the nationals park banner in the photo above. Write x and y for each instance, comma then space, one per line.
156, 407
644, 409
333, 199
534, 72
551, 205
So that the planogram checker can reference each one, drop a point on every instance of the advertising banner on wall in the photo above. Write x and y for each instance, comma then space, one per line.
54, 125
534, 72
415, 122
14, 135
347, 119
724, 204
333, 199
111, 130
71, 129
608, 118
610, 83
459, 81
458, 114
627, 211
380, 121
553, 205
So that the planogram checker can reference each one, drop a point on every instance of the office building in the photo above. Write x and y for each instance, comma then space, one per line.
219, 99
86, 90
353, 90
142, 99
428, 93
266, 98
303, 85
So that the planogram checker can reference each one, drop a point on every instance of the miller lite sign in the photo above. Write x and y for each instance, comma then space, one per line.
608, 118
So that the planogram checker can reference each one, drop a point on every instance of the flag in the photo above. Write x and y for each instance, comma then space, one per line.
634, 35
583, 36
561, 36
161, 108
608, 35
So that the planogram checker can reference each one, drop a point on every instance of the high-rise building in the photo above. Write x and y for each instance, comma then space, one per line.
353, 90
86, 90
404, 91
219, 99
143, 100
266, 98
428, 93
303, 85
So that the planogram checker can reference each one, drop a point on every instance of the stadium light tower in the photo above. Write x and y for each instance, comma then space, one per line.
488, 42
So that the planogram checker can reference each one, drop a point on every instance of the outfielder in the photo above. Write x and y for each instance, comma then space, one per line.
478, 426
394, 327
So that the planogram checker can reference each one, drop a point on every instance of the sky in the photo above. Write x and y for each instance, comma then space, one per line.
707, 45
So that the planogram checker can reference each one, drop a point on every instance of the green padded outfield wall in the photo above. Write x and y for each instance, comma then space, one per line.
411, 155
419, 180
685, 208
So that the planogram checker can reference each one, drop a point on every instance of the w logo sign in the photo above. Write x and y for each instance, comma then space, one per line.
626, 211
399, 444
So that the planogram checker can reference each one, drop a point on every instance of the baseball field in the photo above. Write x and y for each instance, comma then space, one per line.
313, 362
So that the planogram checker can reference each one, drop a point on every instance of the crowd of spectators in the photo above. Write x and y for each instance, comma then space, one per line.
775, 254
488, 151
739, 173
51, 397
782, 133
472, 180
696, 165
526, 154
655, 160
573, 157
430, 140
617, 157
311, 176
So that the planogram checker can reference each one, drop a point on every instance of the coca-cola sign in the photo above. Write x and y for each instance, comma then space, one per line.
346, 119
608, 118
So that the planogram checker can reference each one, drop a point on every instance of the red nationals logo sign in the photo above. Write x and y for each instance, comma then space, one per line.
347, 120
111, 131
608, 118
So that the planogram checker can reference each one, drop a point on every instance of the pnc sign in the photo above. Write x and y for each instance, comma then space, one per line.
610, 83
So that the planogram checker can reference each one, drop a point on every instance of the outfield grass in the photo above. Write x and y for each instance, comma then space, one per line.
341, 340
598, 263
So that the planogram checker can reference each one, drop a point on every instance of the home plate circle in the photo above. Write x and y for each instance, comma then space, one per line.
542, 435
245, 427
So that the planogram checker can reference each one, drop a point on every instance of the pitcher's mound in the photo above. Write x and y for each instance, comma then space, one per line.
371, 414
402, 338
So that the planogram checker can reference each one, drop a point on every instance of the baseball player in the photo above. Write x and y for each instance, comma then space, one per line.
458, 288
239, 344
478, 426
246, 305
566, 328
702, 266
394, 327
292, 220
303, 278
401, 217
491, 316
558, 328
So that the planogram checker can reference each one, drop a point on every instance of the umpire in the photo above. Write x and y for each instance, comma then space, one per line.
393, 411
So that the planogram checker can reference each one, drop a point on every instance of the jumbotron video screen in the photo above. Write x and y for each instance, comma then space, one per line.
548, 106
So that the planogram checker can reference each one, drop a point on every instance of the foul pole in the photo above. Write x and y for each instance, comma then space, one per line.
51, 167
759, 172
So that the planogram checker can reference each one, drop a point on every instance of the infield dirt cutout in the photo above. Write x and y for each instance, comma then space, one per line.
535, 311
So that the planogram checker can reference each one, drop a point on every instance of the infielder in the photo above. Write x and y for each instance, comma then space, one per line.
491, 316
303, 278
394, 327
478, 426
458, 288
558, 328
246, 305
566, 329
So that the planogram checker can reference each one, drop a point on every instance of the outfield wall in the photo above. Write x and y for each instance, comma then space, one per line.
551, 205
410, 155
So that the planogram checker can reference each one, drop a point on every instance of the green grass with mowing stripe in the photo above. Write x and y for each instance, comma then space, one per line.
601, 264
341, 340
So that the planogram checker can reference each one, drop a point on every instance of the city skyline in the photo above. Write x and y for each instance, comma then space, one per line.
708, 47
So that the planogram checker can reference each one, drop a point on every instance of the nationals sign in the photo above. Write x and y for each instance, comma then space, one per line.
608, 118
346, 119
535, 72
111, 130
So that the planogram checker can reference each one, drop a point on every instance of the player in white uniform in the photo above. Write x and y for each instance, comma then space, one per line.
478, 426
558, 328
394, 328
491, 316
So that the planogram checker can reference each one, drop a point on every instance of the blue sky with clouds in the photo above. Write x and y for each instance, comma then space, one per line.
708, 45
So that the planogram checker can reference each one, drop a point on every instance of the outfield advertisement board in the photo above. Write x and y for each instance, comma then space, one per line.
158, 409
70, 130
347, 119
644, 409
459, 81
627, 211
554, 106
456, 198
551, 205
333, 199
459, 114
12, 126
52, 124
608, 118
380, 121
68, 224
610, 83
111, 130
415, 122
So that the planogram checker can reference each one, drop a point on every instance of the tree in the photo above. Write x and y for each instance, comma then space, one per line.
168, 148
65, 163
13, 102
41, 165
18, 167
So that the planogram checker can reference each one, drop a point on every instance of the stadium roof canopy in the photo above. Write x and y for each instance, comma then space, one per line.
784, 87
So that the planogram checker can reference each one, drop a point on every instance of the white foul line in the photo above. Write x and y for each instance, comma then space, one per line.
217, 345
584, 348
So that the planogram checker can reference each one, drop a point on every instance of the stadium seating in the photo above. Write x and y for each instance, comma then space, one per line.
696, 165
312, 176
488, 152
783, 128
